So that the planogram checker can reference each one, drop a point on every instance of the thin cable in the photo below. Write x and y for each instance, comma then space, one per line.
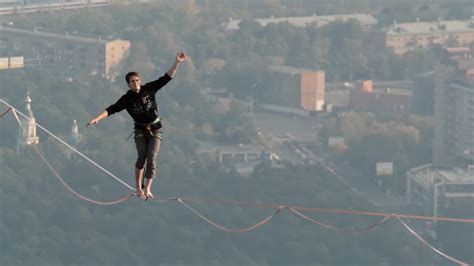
330, 210
304, 217
429, 245
17, 118
264, 221
70, 147
72, 190
238, 230
416, 217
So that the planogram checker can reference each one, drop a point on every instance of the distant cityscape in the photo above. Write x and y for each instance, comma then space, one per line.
446, 94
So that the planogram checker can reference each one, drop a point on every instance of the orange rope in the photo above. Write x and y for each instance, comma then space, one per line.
72, 190
339, 229
294, 209
238, 230
330, 210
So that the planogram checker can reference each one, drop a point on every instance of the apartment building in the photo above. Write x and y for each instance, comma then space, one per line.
448, 183
403, 37
65, 51
423, 91
454, 117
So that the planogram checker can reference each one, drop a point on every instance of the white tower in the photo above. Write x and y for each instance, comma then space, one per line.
27, 134
74, 138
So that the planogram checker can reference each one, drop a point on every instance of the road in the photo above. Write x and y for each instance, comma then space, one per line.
279, 131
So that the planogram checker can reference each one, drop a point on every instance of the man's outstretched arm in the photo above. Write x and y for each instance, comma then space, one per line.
180, 57
96, 120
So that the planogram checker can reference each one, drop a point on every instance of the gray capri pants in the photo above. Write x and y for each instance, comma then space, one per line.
148, 147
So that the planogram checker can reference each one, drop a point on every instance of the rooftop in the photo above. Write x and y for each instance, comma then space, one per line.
318, 21
63, 36
290, 70
432, 175
431, 27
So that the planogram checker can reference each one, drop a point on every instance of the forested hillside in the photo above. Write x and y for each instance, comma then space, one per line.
41, 223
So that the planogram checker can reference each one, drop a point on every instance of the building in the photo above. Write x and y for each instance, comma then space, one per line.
21, 7
423, 93
364, 85
363, 97
12, 62
75, 136
241, 157
312, 88
453, 117
64, 51
403, 37
293, 87
459, 53
438, 190
424, 83
239, 154
365, 20
27, 135
446, 186
74, 139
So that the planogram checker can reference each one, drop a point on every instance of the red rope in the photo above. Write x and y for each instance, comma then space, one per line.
72, 190
238, 230
336, 228
293, 209
330, 210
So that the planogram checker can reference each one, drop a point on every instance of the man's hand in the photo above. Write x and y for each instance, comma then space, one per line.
180, 57
96, 120
93, 122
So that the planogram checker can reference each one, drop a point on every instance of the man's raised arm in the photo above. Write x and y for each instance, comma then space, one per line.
180, 57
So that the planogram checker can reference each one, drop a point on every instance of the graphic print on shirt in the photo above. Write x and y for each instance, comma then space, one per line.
143, 106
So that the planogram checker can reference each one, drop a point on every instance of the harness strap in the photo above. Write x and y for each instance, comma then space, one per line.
147, 128
158, 119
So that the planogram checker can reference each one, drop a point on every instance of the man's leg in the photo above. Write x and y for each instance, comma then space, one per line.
139, 182
152, 155
141, 146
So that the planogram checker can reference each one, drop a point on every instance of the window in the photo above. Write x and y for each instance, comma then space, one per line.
17, 46
3, 43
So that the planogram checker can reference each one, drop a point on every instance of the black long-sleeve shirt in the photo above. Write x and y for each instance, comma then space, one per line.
141, 106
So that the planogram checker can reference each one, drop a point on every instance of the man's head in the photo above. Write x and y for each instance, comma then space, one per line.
133, 81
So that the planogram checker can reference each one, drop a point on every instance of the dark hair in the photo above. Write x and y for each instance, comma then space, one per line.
130, 75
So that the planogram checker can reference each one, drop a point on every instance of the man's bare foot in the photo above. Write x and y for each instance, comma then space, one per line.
140, 193
148, 194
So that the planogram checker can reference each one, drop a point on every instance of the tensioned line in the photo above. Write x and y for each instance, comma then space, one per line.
278, 208
69, 146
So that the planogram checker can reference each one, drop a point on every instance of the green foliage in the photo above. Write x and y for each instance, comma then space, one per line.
43, 224
406, 142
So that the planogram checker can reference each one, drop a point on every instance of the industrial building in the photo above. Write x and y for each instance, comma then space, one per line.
64, 51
